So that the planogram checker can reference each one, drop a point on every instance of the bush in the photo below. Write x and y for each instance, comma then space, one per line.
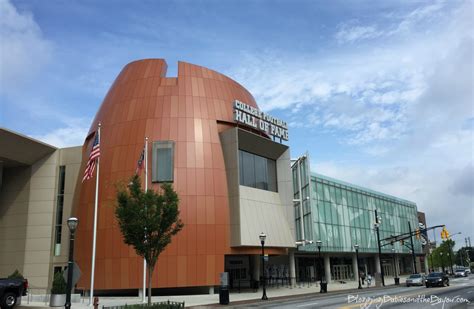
59, 284
16, 275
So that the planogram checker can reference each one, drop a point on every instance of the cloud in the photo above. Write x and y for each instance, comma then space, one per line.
463, 184
24, 50
350, 34
72, 133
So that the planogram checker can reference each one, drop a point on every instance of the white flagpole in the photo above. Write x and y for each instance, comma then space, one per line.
146, 188
95, 224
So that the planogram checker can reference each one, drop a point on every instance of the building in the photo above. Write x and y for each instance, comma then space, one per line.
37, 183
342, 215
235, 179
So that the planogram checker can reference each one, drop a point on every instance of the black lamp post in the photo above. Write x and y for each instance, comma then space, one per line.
356, 247
376, 226
394, 266
451, 262
318, 243
262, 241
442, 261
431, 259
72, 224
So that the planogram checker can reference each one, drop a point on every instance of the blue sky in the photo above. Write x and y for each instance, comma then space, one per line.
380, 93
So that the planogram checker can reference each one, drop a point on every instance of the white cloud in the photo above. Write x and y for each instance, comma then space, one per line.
404, 98
23, 49
350, 34
73, 133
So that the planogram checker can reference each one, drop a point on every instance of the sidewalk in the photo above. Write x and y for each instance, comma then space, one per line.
209, 299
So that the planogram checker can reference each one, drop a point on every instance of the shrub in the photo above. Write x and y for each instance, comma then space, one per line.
59, 284
16, 275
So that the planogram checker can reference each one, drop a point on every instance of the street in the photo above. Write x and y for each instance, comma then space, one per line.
460, 294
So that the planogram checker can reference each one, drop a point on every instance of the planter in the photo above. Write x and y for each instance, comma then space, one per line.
57, 300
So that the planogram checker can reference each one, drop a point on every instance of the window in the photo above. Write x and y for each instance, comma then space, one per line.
59, 211
163, 161
257, 171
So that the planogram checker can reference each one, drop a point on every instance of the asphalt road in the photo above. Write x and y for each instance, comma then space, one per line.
460, 294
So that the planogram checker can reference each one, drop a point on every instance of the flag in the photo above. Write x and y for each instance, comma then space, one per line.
140, 162
93, 156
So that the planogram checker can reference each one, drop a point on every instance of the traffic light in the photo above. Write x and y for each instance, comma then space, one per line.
444, 233
417, 233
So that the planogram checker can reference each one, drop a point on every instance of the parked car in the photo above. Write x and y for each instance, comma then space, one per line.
10, 290
436, 279
415, 279
460, 272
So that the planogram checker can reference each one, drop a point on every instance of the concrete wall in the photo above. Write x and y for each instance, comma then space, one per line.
253, 211
28, 204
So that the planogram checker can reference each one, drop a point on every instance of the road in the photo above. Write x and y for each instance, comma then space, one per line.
460, 294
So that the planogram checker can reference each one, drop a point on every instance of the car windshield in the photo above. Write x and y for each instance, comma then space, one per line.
415, 276
434, 275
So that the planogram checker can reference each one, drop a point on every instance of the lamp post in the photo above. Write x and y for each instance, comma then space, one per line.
356, 247
72, 224
262, 237
394, 265
322, 290
451, 262
442, 261
376, 226
431, 259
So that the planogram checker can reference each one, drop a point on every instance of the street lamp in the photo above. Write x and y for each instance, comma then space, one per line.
321, 290
442, 261
451, 262
376, 226
262, 237
72, 224
395, 272
356, 247
431, 259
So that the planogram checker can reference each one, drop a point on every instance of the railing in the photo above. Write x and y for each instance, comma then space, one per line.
161, 305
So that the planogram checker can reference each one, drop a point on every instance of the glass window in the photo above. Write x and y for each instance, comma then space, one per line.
163, 161
332, 192
338, 196
326, 192
259, 172
319, 188
59, 210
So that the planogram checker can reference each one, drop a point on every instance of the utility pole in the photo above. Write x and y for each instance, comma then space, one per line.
412, 248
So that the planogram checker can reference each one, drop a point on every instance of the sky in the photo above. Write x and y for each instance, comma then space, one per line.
379, 93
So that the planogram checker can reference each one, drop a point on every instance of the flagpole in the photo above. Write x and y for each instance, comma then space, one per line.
95, 223
146, 188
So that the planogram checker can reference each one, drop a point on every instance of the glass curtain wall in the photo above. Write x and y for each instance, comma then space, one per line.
344, 215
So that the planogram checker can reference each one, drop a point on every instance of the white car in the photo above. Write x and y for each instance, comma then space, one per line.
415, 279
460, 272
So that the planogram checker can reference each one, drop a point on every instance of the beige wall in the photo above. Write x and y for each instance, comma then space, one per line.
253, 211
28, 202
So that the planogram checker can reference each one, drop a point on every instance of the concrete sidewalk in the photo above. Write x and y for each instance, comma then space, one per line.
209, 299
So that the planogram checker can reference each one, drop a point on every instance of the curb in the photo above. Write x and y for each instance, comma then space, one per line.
289, 297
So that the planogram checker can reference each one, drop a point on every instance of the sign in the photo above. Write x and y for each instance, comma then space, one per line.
253, 117
76, 274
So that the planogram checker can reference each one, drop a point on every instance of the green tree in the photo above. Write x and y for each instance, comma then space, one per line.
147, 220
442, 259
464, 256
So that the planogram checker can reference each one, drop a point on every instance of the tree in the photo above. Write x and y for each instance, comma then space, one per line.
442, 259
147, 220
464, 256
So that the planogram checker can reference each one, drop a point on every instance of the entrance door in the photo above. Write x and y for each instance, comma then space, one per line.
341, 272
238, 268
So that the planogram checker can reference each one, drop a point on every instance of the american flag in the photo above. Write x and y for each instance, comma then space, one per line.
93, 156
140, 162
